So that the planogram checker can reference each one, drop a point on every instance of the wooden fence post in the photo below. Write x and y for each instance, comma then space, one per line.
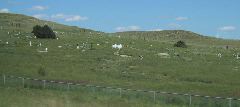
230, 102
23, 82
120, 92
154, 96
190, 100
44, 84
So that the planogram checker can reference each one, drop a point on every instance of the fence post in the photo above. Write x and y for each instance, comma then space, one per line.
120, 92
44, 84
23, 81
230, 102
154, 96
4, 79
190, 100
68, 86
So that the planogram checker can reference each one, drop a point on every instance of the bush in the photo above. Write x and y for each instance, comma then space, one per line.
181, 44
43, 32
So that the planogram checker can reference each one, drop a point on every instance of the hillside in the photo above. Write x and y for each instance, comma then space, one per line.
18, 22
172, 36
157, 35
152, 63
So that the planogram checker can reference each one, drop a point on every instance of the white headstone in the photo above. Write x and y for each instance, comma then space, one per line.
219, 55
98, 44
77, 47
7, 43
117, 46
46, 49
114, 46
120, 46
40, 44
57, 38
8, 33
30, 43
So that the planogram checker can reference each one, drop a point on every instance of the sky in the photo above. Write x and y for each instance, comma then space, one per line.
218, 18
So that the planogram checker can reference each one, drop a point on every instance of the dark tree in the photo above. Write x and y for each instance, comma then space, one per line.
43, 32
181, 44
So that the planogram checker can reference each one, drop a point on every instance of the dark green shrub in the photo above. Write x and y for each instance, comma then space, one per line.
181, 44
43, 32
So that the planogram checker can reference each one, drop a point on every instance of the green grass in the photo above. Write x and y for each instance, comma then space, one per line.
12, 97
196, 70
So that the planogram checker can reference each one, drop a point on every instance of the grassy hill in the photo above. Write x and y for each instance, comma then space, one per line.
171, 36
196, 69
10, 22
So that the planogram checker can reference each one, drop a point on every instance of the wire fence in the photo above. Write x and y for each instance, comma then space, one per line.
145, 95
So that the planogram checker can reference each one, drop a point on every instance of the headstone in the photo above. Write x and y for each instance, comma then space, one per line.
77, 46
219, 55
46, 49
117, 46
30, 43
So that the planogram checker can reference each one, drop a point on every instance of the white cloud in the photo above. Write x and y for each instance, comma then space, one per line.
39, 8
4, 10
76, 18
181, 18
40, 16
58, 16
156, 29
128, 28
133, 27
174, 26
227, 28
120, 28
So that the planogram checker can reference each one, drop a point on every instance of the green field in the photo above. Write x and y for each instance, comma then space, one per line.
195, 69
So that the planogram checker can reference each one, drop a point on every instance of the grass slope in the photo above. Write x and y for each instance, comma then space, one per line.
18, 97
195, 69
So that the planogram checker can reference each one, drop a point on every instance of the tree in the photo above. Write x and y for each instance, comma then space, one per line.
181, 44
43, 32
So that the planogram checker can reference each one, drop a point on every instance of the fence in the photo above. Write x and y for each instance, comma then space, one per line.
153, 96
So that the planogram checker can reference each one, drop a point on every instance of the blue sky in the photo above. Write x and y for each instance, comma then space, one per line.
219, 18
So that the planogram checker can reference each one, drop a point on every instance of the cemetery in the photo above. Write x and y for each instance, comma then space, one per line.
200, 65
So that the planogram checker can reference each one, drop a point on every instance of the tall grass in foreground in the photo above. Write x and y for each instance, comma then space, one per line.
29, 93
